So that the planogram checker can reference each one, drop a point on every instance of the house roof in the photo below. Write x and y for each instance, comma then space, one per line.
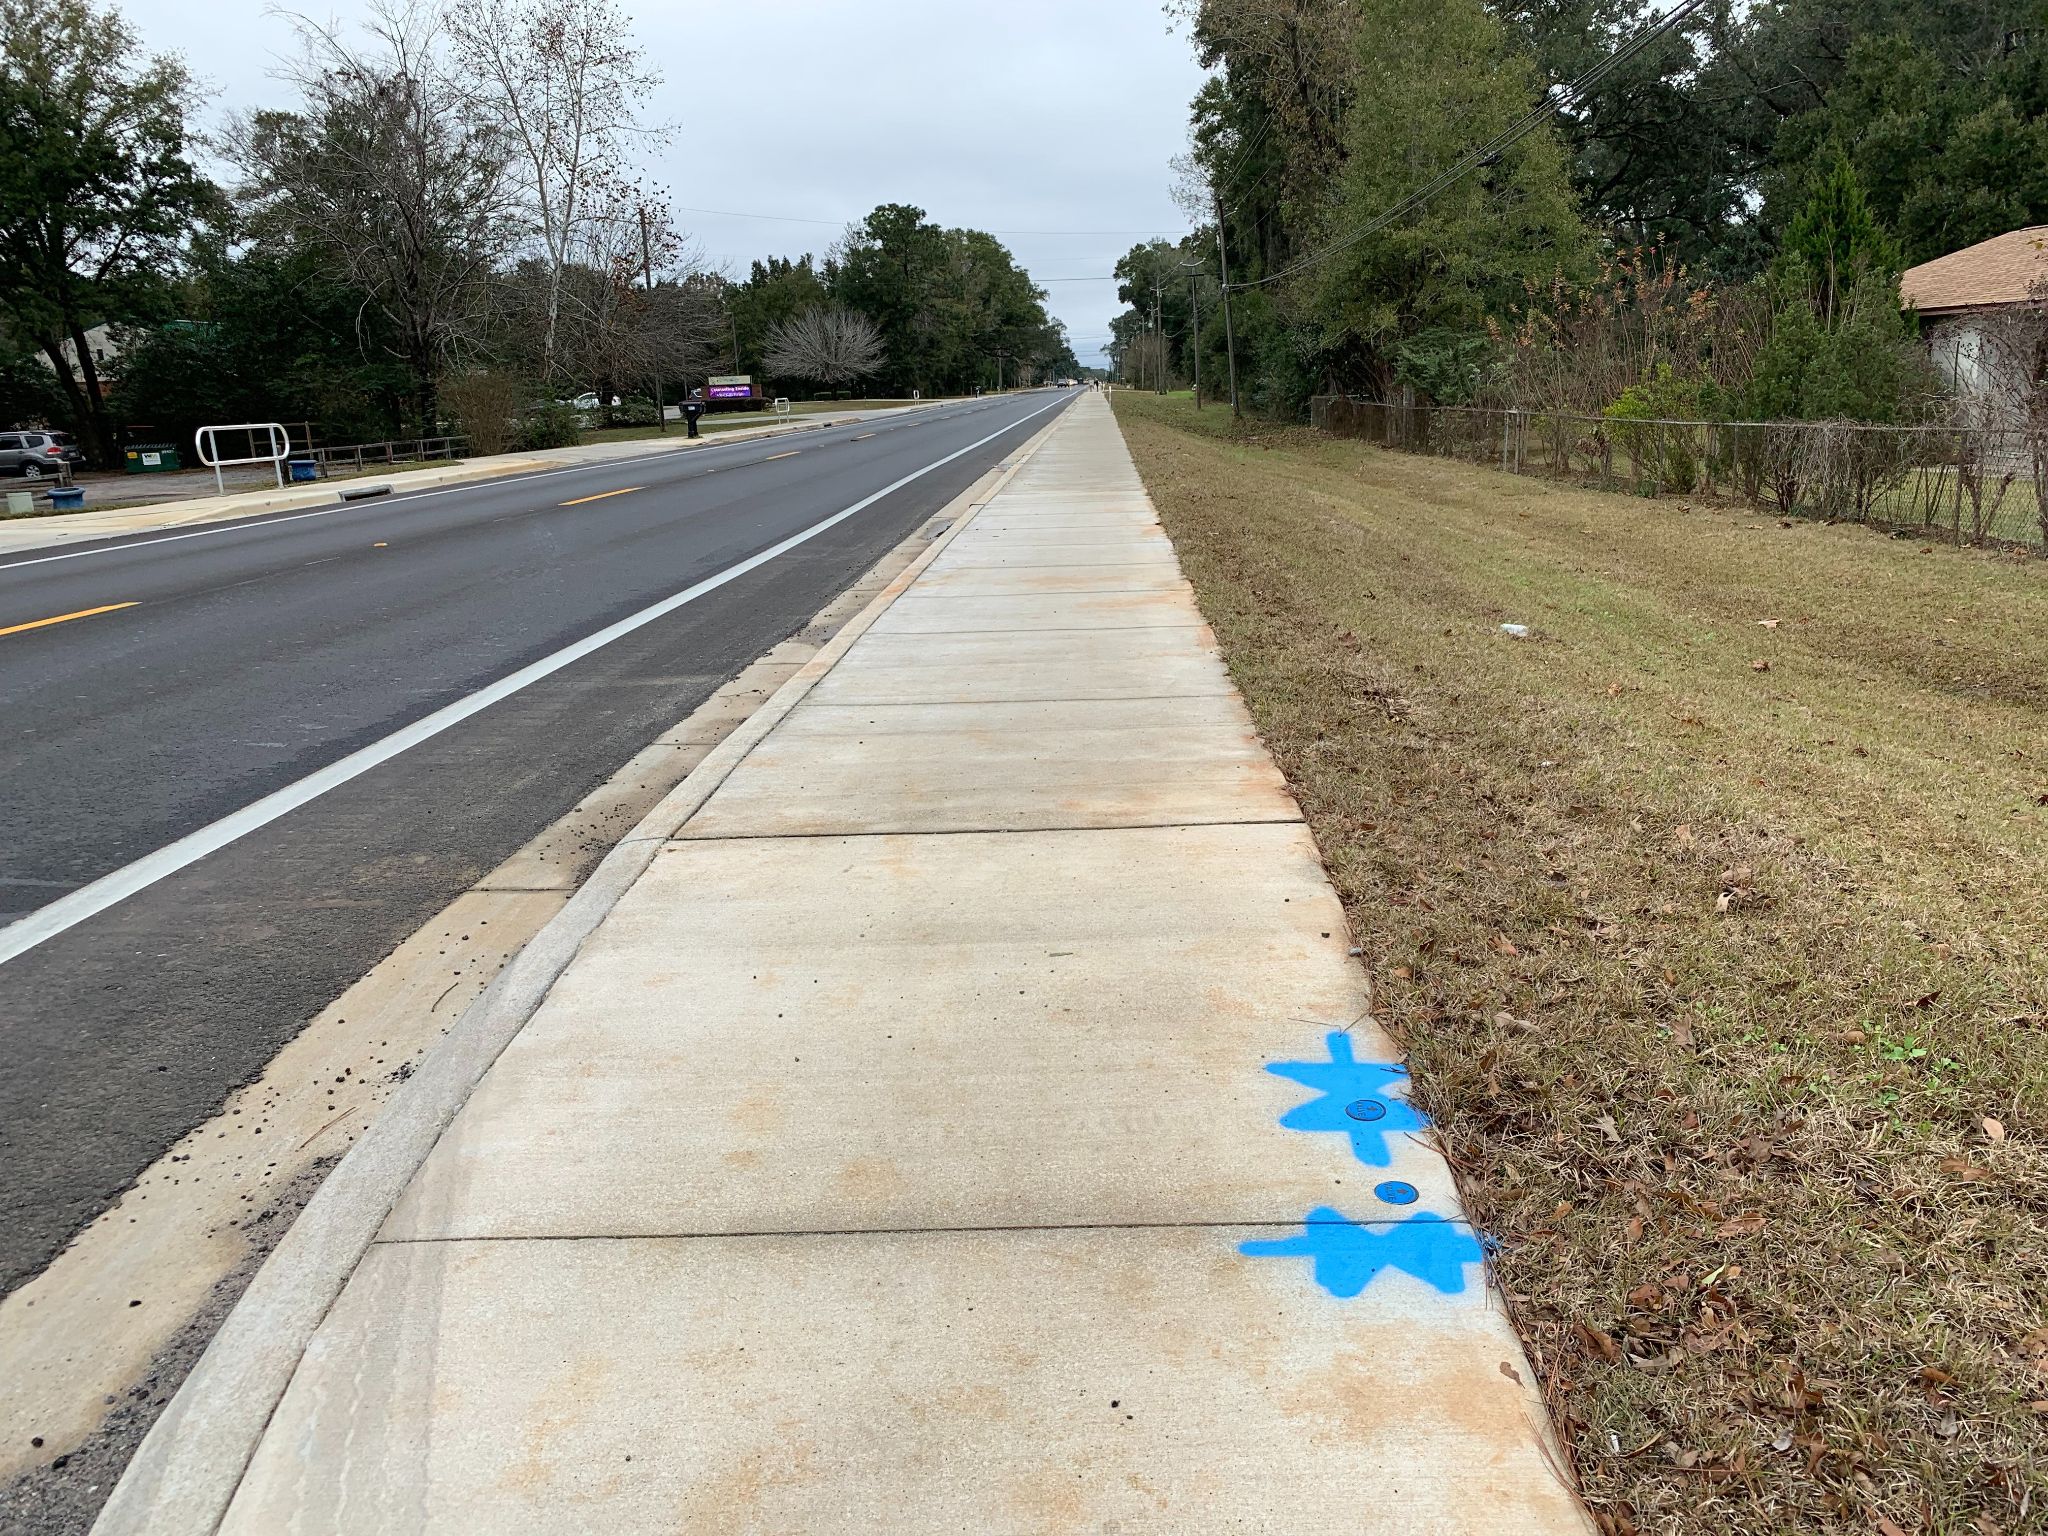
2000, 270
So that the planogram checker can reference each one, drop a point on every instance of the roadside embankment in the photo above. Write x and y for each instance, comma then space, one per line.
1710, 914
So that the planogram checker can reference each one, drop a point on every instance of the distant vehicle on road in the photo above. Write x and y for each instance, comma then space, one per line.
33, 455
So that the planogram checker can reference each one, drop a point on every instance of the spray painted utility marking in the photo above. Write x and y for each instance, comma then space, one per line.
624, 490
1353, 1100
64, 618
1348, 1254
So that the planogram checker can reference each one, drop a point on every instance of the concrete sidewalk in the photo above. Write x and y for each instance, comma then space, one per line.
970, 1120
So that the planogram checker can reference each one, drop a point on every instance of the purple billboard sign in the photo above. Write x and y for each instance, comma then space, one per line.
729, 392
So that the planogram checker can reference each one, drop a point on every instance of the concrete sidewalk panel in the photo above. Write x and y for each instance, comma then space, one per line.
1013, 767
915, 614
1130, 553
825, 1034
978, 668
995, 1383
980, 581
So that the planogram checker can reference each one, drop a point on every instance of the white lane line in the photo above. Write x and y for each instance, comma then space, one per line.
24, 934
258, 520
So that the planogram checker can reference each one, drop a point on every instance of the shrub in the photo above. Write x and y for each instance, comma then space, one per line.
1644, 417
485, 405
548, 425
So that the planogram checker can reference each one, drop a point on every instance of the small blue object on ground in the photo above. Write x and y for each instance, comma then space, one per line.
1394, 1192
304, 469
67, 498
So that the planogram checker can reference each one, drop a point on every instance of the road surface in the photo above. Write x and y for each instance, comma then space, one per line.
186, 678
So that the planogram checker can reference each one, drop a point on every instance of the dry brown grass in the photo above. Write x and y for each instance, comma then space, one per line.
1714, 917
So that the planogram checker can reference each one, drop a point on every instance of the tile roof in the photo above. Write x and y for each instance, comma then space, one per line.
2000, 270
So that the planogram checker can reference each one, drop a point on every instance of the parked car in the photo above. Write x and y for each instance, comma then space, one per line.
33, 455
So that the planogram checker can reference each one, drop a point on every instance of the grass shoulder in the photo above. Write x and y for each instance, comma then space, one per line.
1710, 914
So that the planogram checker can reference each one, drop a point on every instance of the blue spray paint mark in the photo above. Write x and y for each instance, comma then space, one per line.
1349, 1254
1394, 1192
1346, 1083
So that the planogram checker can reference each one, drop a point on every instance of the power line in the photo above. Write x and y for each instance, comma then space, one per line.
785, 218
1553, 103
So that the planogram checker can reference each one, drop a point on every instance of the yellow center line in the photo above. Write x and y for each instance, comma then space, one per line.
64, 618
624, 490
789, 455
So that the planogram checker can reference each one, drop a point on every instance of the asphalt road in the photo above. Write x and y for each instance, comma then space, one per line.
266, 650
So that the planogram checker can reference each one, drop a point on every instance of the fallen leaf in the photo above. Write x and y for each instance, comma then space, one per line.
1748, 1224
1885, 1524
1511, 1373
1759, 665
1505, 945
1767, 623
1721, 902
1598, 1341
1994, 1130
1605, 1125
1963, 1168
1683, 835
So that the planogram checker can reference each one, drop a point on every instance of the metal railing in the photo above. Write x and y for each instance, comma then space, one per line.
1974, 485
400, 450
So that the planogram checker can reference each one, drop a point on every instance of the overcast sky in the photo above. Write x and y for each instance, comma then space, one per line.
1050, 123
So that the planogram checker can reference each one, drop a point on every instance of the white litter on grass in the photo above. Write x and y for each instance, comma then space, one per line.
1519, 631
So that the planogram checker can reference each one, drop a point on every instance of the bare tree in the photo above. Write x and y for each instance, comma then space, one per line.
387, 171
563, 81
832, 347
629, 312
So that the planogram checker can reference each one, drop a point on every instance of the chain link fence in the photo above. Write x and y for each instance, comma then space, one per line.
1974, 485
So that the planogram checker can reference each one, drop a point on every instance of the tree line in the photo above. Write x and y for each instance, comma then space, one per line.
442, 230
1716, 225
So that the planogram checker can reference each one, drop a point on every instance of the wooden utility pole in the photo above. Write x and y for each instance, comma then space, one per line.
1159, 336
647, 272
1195, 341
1229, 340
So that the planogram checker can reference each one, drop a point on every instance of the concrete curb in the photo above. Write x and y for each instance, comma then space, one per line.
208, 511
186, 1471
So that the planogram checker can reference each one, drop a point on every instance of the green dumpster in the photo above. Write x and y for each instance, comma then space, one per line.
151, 458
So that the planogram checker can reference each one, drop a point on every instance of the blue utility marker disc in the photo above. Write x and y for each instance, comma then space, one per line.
1394, 1192
1366, 1109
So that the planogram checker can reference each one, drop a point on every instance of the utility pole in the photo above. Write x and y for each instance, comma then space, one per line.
647, 272
1195, 342
1223, 264
1159, 335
